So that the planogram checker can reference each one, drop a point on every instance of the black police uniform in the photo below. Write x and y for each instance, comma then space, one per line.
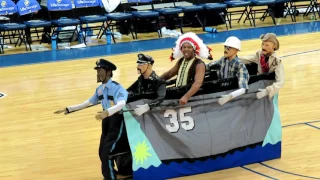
154, 84
113, 132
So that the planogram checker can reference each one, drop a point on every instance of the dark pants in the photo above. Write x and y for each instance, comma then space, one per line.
113, 140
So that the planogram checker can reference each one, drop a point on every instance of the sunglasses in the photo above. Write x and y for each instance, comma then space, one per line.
140, 64
227, 47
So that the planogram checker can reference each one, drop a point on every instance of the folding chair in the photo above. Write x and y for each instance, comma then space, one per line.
236, 4
220, 8
30, 7
194, 10
115, 18
146, 15
89, 12
265, 11
171, 12
288, 9
61, 15
14, 29
312, 7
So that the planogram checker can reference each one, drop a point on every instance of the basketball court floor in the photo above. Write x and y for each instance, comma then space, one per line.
36, 144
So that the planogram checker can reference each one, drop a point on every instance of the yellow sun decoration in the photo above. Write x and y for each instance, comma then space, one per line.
141, 153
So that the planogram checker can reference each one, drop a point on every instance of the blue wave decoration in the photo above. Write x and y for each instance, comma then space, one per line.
185, 168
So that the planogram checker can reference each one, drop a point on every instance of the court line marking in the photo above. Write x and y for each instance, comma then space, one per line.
287, 171
312, 126
248, 169
304, 52
2, 95
295, 124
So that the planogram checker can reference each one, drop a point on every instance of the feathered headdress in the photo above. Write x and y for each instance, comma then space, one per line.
201, 50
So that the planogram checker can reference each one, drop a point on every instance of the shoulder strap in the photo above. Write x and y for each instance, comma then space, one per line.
115, 82
192, 71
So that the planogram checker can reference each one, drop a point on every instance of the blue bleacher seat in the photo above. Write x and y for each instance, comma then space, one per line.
213, 6
266, 11
119, 16
192, 8
145, 14
65, 22
262, 2
220, 7
37, 23
237, 3
12, 26
92, 18
169, 11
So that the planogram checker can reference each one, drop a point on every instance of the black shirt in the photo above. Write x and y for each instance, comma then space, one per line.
147, 86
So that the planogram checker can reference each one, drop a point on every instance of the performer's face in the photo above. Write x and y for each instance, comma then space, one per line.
187, 51
141, 68
101, 75
229, 51
267, 47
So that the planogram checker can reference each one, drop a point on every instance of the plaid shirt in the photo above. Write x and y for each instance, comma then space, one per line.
235, 69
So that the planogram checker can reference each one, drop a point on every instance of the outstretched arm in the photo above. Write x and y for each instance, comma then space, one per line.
243, 79
171, 73
93, 100
225, 98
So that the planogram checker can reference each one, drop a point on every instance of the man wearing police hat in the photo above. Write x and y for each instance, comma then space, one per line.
148, 82
113, 128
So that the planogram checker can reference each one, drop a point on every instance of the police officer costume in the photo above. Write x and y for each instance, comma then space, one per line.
154, 84
113, 136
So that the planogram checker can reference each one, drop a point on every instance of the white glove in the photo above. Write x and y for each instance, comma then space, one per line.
141, 109
262, 93
271, 91
224, 99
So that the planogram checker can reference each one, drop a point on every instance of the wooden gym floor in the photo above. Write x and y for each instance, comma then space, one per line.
36, 144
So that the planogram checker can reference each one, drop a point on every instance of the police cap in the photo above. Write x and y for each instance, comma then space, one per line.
102, 63
144, 59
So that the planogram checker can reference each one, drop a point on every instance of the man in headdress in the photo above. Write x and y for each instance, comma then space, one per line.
268, 62
189, 68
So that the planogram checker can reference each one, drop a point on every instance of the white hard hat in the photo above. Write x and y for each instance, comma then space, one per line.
234, 42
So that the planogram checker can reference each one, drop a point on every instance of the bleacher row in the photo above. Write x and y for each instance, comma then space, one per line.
79, 13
